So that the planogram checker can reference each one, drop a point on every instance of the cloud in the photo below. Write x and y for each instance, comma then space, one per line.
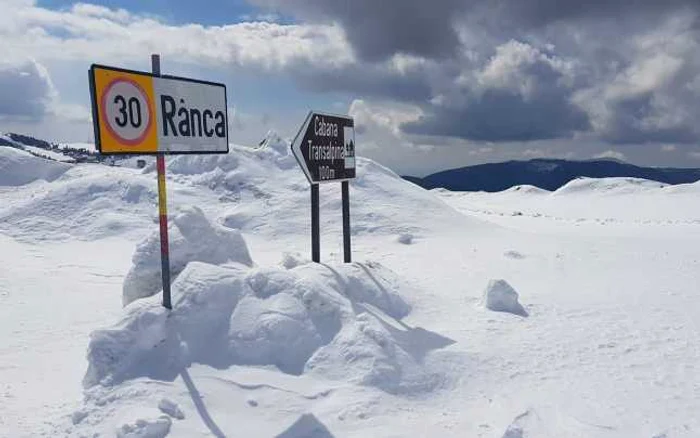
400, 78
519, 94
668, 148
523, 70
27, 91
616, 155
652, 97
110, 36
379, 29
441, 82
539, 13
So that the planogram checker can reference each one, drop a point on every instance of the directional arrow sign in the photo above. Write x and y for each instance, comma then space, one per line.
325, 147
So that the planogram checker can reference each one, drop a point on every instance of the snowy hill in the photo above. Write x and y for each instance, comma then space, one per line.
414, 338
72, 153
18, 168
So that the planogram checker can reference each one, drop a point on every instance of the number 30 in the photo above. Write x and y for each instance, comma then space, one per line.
133, 117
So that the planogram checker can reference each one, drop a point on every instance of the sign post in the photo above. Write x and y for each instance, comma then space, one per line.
325, 151
162, 210
347, 253
139, 113
315, 225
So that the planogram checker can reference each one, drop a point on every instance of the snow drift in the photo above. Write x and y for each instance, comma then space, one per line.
252, 190
583, 185
84, 206
192, 238
313, 319
267, 192
18, 168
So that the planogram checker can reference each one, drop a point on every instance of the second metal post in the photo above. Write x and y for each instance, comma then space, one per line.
346, 222
315, 226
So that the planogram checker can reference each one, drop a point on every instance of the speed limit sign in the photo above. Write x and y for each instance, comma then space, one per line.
126, 109
141, 113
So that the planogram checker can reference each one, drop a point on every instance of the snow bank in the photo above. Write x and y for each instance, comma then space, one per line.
583, 185
499, 296
18, 167
269, 193
690, 188
84, 205
527, 189
192, 237
319, 320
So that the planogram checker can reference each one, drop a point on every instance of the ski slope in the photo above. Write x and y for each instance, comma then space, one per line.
261, 342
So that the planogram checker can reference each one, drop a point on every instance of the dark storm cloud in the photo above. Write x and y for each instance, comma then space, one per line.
502, 116
629, 124
378, 81
542, 12
520, 94
379, 28
474, 85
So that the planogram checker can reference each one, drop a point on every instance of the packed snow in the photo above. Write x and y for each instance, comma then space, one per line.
517, 314
500, 296
192, 237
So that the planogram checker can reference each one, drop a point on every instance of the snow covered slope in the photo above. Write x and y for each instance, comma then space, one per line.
261, 342
18, 167
608, 205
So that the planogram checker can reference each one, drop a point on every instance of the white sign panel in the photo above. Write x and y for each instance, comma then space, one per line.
140, 113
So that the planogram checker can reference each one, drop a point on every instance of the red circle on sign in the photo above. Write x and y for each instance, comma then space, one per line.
103, 112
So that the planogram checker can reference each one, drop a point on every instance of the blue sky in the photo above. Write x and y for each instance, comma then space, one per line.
431, 85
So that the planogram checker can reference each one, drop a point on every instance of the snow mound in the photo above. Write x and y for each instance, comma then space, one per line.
527, 189
499, 296
171, 408
527, 424
293, 259
156, 428
690, 188
18, 168
267, 192
583, 185
553, 421
192, 237
319, 320
405, 238
274, 141
84, 206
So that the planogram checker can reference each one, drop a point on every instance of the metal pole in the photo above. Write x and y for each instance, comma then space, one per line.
346, 222
315, 226
162, 211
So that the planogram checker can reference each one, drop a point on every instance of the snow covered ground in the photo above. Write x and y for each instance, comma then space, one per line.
400, 343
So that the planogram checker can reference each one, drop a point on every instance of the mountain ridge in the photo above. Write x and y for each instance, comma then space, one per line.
546, 173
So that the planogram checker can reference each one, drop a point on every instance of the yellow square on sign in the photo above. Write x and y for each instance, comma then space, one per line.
124, 106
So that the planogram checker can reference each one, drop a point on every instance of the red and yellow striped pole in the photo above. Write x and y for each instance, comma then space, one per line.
163, 216
162, 211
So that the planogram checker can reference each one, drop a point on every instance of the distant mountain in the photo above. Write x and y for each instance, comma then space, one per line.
548, 174
53, 151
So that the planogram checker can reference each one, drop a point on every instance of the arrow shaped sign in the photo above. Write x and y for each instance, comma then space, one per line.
325, 147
